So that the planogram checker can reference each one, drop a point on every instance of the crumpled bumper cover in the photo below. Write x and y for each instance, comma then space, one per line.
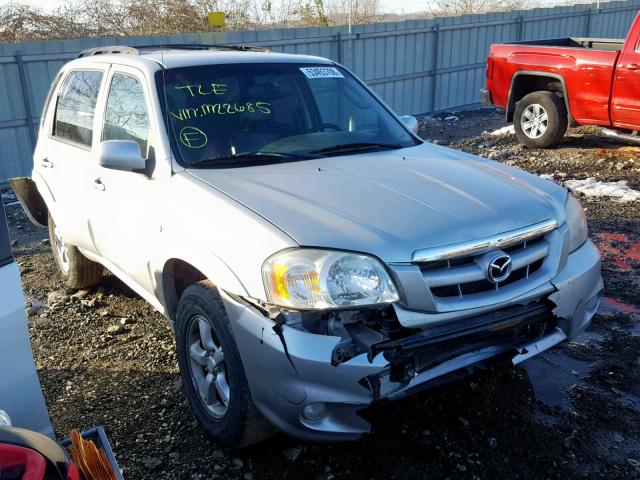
579, 287
284, 380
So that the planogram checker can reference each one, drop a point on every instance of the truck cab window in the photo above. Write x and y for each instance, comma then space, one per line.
76, 106
126, 115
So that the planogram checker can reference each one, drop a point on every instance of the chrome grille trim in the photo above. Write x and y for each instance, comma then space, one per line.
473, 272
474, 247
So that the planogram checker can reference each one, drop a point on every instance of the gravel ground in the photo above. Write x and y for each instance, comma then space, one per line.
105, 357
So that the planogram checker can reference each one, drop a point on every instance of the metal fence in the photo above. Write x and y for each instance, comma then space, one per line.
417, 66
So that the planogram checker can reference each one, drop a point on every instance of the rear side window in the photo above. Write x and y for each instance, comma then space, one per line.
126, 113
76, 106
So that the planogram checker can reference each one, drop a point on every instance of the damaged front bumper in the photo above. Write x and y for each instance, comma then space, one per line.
290, 369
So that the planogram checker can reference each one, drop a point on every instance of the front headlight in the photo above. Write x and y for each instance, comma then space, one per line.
318, 279
577, 222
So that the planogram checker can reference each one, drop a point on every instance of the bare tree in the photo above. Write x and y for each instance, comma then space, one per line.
362, 11
21, 22
113, 18
465, 7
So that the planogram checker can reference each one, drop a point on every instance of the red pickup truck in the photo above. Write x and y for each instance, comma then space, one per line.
544, 86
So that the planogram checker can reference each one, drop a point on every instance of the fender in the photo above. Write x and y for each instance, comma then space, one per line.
210, 265
31, 200
511, 102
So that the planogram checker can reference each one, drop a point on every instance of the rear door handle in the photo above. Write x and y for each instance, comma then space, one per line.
46, 163
98, 185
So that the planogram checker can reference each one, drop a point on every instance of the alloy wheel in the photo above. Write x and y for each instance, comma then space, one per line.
534, 121
207, 367
62, 250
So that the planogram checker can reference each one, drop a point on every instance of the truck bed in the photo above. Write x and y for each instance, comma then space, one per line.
595, 76
586, 66
607, 44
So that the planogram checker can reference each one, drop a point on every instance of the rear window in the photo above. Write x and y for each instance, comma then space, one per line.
76, 106
5, 247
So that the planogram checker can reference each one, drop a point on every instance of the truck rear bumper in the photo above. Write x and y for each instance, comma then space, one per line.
287, 373
485, 97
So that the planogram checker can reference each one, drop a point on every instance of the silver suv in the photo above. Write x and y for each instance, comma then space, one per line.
313, 254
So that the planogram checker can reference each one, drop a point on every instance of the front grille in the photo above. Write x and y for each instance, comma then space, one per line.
461, 277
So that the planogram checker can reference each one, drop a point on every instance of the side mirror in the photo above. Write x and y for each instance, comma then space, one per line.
411, 122
121, 155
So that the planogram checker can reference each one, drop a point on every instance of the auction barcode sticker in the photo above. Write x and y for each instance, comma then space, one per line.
321, 72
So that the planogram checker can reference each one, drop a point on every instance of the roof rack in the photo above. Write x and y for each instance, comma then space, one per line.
107, 50
138, 50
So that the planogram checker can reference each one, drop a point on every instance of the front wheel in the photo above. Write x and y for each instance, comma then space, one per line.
76, 269
540, 120
212, 373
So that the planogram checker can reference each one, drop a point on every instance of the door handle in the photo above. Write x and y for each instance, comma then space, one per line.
633, 67
46, 163
98, 185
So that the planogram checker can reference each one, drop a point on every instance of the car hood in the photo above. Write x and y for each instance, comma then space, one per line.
391, 203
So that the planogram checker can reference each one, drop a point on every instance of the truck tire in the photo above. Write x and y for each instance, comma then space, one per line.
77, 270
540, 119
212, 373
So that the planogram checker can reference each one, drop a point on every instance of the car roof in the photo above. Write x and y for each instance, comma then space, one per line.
176, 58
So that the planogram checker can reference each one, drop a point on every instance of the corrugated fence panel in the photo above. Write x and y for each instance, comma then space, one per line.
612, 22
417, 66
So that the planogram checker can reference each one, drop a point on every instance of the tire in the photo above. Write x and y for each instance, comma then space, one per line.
77, 270
237, 423
549, 114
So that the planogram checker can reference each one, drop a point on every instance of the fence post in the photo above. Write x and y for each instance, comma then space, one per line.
26, 98
588, 24
520, 27
339, 40
434, 66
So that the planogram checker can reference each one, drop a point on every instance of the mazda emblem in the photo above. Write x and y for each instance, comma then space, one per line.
499, 268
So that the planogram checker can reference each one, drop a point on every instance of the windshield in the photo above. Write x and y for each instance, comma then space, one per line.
237, 114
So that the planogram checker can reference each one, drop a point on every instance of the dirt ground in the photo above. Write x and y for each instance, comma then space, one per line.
106, 358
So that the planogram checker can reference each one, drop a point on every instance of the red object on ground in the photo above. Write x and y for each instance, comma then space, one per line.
28, 464
599, 78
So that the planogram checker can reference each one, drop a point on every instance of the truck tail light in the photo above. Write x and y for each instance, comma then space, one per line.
490, 67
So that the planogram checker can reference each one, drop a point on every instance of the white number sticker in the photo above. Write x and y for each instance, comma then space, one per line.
321, 72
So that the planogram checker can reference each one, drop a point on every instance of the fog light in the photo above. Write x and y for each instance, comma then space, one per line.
315, 411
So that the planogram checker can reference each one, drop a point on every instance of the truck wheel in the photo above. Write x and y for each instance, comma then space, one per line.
76, 269
540, 120
212, 374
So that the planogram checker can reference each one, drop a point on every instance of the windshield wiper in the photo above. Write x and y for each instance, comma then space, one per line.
354, 147
256, 158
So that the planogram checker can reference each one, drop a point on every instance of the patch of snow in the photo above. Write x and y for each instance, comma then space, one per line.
508, 130
546, 176
619, 191
451, 118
